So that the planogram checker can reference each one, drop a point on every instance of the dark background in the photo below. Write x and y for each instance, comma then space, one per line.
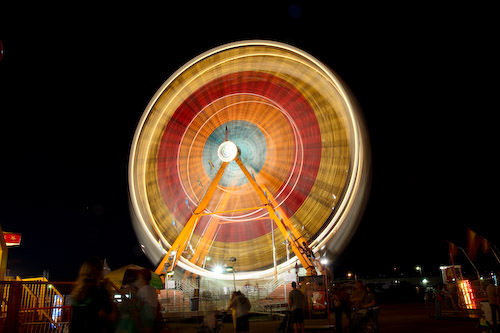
75, 81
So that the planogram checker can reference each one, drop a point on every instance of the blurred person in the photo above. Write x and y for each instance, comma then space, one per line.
147, 302
233, 309
359, 299
451, 294
210, 323
493, 295
358, 295
341, 305
439, 298
91, 306
297, 304
372, 306
128, 315
241, 306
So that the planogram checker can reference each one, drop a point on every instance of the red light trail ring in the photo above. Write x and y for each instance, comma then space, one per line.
297, 132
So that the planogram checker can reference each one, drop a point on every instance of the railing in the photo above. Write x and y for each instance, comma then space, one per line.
34, 305
215, 295
57, 322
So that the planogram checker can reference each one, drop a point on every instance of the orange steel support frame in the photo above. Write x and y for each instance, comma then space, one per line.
301, 251
300, 248
170, 260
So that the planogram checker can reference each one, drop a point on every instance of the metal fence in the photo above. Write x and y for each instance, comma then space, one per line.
34, 305
185, 295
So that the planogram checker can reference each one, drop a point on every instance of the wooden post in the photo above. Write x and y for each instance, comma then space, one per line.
3, 256
13, 306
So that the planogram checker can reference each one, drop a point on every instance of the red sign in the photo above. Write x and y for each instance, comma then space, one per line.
12, 238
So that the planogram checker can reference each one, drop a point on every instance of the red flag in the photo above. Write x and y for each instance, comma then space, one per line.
473, 242
452, 250
12, 238
485, 245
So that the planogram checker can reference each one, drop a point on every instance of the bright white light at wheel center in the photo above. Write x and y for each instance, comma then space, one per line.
227, 151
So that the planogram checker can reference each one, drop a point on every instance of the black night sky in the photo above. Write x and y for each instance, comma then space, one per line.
74, 83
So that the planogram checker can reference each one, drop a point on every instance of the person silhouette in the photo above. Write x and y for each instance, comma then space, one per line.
91, 306
296, 304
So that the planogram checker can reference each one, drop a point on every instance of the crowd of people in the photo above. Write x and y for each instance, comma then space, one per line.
358, 308
139, 311
94, 311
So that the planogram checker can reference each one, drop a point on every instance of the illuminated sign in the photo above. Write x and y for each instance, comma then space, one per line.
12, 238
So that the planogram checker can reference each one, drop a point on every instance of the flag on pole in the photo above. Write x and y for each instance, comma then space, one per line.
452, 251
473, 243
485, 245
12, 238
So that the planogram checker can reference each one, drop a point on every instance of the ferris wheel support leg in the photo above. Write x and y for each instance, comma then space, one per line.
295, 241
299, 250
283, 216
203, 246
208, 235
170, 260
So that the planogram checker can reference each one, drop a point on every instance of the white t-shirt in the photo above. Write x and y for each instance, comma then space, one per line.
147, 295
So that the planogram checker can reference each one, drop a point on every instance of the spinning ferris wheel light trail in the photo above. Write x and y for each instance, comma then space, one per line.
244, 134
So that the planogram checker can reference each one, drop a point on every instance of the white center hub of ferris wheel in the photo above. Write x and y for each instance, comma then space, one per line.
227, 151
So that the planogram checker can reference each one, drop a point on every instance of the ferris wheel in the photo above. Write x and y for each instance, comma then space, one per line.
252, 151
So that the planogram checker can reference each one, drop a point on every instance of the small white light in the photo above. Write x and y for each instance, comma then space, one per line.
227, 151
218, 270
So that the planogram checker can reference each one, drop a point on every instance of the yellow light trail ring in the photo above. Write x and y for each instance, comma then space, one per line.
298, 132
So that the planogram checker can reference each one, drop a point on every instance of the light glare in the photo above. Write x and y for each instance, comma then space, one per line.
218, 270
